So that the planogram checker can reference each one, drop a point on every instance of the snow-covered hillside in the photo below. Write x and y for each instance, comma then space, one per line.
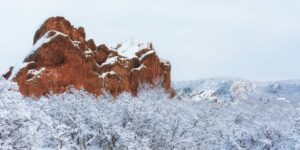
233, 90
206, 114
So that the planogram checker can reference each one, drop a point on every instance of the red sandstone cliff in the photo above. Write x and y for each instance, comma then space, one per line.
63, 58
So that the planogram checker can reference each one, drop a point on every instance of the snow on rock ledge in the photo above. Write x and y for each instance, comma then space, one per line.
62, 58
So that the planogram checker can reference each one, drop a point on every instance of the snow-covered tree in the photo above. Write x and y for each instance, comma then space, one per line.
79, 120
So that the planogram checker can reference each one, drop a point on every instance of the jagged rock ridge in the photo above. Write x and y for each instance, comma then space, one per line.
62, 58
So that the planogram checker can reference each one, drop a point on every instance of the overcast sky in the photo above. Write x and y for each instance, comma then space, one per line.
251, 39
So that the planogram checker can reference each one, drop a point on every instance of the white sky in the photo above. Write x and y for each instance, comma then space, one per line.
252, 39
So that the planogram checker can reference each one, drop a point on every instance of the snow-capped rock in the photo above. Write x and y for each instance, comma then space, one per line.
61, 58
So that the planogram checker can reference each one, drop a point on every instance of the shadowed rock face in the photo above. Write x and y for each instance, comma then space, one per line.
62, 58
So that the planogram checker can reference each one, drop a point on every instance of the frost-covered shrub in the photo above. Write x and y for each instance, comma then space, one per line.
22, 126
79, 120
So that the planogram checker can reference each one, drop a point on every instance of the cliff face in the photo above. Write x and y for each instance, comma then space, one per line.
62, 58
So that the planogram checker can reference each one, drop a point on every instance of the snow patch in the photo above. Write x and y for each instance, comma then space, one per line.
35, 73
282, 99
110, 61
76, 44
139, 68
165, 62
88, 53
146, 54
45, 39
130, 47
103, 75
17, 68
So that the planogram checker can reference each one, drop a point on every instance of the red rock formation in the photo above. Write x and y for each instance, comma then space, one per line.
62, 58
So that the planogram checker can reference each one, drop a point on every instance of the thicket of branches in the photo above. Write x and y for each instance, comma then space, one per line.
78, 120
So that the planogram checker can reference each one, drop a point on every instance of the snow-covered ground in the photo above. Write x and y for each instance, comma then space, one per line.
218, 113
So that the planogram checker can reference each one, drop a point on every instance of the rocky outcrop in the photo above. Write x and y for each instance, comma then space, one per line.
62, 58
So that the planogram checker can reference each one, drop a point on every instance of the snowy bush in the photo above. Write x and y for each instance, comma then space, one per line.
78, 120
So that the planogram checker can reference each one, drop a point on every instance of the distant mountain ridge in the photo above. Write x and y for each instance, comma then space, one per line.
232, 89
